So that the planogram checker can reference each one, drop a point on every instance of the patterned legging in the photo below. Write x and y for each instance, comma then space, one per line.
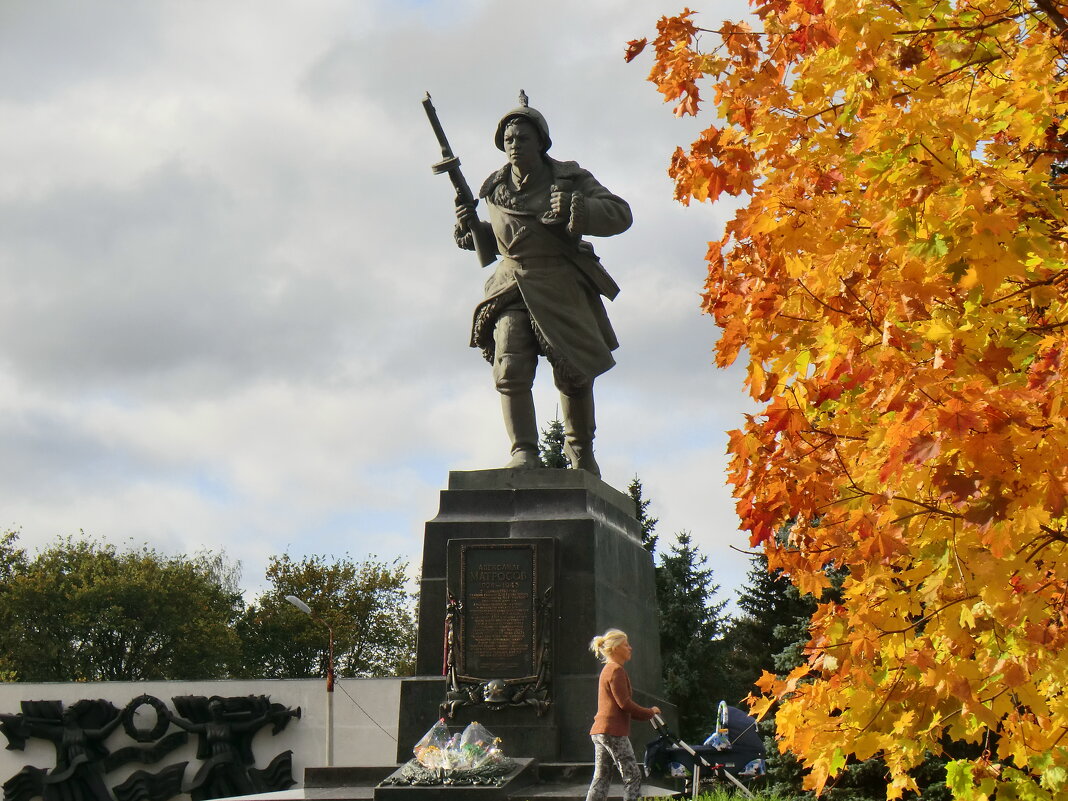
608, 750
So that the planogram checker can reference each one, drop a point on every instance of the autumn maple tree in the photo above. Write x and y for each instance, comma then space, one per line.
896, 278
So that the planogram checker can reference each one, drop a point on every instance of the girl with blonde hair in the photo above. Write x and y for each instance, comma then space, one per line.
611, 727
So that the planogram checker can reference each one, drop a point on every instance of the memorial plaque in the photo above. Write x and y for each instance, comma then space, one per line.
497, 626
500, 585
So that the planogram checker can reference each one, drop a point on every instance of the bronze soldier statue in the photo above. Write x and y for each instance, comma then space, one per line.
544, 297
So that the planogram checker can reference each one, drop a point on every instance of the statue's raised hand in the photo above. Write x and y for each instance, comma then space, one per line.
559, 203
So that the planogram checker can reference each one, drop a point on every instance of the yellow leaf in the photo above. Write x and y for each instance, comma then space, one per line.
938, 330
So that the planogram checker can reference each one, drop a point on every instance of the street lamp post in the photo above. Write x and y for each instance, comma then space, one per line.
303, 607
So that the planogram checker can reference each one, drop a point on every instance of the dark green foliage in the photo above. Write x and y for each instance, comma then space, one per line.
931, 775
860, 781
12, 563
784, 774
691, 627
772, 627
366, 603
551, 446
641, 511
12, 558
81, 610
84, 611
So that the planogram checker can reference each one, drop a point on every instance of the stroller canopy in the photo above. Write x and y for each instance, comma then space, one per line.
741, 729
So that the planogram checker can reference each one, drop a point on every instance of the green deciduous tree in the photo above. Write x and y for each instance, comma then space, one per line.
366, 603
12, 562
82, 610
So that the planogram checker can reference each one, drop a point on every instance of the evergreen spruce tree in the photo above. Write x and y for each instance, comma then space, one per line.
768, 635
551, 446
641, 507
691, 630
770, 630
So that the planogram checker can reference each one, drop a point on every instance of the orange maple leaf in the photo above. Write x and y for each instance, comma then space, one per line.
958, 418
634, 47
995, 360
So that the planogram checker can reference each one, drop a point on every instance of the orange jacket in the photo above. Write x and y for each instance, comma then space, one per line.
615, 708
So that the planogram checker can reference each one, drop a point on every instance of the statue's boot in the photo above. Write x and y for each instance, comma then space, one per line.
522, 428
578, 431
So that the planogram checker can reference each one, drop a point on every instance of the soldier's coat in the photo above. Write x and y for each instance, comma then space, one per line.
550, 271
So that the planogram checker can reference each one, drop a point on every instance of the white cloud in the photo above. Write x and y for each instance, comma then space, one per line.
232, 313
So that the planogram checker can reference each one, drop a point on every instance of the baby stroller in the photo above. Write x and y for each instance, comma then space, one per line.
734, 753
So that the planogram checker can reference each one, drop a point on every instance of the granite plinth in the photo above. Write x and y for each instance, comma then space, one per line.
602, 578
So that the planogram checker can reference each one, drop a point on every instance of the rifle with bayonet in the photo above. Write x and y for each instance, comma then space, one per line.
480, 235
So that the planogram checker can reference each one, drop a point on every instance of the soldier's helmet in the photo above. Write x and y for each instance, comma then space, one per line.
524, 112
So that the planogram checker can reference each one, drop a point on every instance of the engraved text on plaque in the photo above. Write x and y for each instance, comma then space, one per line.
497, 635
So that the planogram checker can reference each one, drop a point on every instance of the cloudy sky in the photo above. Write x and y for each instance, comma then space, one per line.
231, 313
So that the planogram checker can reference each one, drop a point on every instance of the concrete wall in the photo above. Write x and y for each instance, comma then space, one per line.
358, 741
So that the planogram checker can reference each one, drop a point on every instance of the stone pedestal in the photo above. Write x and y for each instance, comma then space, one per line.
600, 577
